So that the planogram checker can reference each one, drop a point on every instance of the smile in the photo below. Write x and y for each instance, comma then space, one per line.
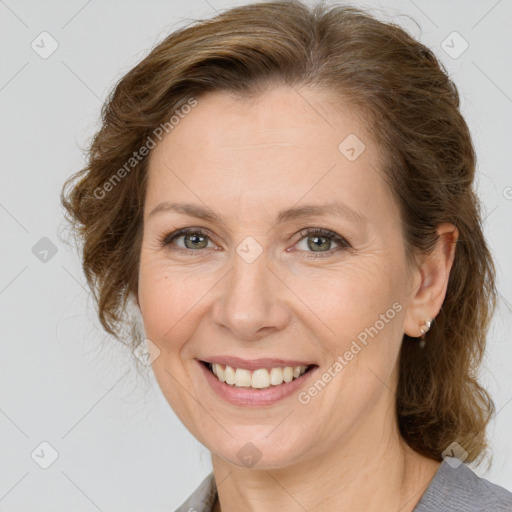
260, 378
260, 386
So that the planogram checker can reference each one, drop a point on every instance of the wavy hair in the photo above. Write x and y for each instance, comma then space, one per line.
409, 105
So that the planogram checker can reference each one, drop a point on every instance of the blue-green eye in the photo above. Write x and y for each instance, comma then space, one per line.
318, 241
193, 239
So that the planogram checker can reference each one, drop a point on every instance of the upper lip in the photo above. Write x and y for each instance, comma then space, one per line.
254, 364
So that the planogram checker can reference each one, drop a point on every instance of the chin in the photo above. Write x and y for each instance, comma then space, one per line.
257, 450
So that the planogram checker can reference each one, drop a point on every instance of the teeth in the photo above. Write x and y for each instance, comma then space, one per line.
229, 375
260, 378
242, 377
276, 376
288, 374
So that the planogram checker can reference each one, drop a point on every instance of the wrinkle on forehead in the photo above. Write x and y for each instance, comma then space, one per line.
267, 145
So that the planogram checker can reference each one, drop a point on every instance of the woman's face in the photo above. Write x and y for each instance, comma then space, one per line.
250, 282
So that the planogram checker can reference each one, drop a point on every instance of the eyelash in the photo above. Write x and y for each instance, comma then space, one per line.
342, 242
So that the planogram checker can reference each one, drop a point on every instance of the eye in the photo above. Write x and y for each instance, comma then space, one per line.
316, 240
320, 241
191, 239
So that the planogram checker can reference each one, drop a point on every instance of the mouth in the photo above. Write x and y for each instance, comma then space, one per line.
257, 378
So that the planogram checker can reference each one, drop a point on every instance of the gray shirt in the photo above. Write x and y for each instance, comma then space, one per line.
451, 490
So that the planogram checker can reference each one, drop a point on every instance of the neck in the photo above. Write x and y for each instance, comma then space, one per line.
370, 468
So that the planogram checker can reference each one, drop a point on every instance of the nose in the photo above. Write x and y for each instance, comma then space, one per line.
251, 298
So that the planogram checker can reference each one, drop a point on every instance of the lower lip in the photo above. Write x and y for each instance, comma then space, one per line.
251, 396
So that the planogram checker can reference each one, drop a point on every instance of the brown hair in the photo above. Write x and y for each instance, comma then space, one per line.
411, 108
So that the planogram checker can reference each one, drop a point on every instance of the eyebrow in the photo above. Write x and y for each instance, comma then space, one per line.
298, 212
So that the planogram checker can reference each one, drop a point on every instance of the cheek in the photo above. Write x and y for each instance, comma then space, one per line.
348, 295
361, 314
173, 301
358, 314
157, 304
167, 300
165, 297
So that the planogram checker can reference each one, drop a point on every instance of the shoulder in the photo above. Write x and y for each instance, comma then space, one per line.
451, 490
202, 499
458, 488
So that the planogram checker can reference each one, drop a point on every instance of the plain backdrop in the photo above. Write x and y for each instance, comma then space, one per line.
111, 442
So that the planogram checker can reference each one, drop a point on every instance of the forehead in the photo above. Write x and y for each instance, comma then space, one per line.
276, 149
280, 117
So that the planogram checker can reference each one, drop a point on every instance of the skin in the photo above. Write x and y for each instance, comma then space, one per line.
246, 160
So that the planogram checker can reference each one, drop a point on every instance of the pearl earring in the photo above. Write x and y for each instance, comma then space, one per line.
427, 325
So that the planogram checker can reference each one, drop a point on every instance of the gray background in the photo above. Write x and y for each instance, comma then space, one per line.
62, 380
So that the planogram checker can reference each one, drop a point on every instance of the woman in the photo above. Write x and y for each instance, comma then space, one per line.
287, 195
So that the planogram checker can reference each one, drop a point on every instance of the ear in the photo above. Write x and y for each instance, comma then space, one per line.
430, 281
